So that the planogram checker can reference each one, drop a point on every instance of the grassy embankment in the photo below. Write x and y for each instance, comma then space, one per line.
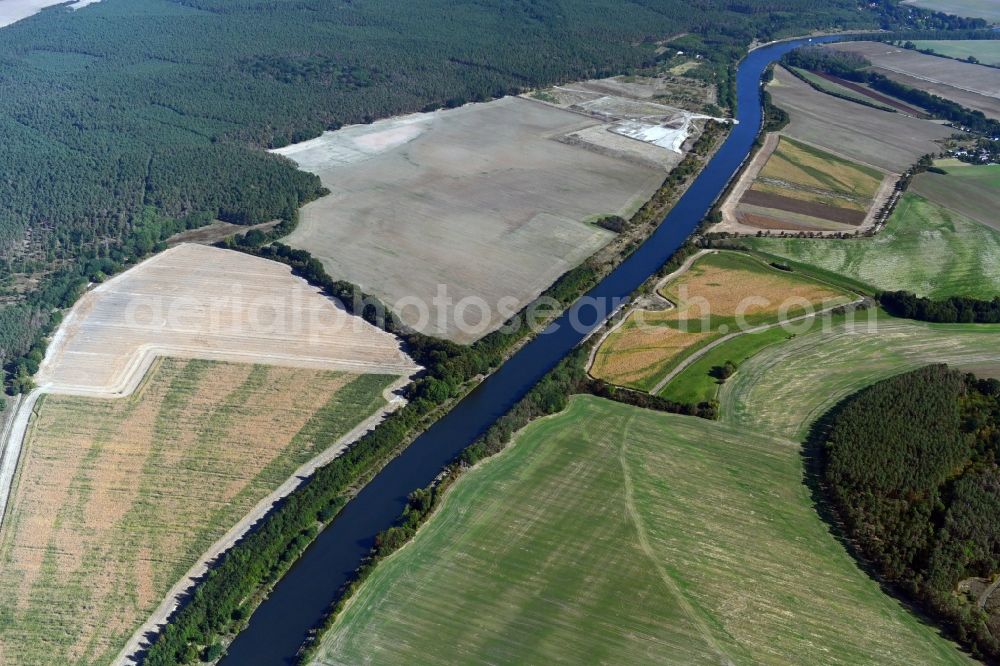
836, 89
116, 499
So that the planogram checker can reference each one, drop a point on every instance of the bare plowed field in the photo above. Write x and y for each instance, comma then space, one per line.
974, 86
889, 141
810, 208
201, 302
872, 95
465, 215
116, 499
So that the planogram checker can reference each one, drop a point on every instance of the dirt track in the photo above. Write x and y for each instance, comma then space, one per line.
181, 588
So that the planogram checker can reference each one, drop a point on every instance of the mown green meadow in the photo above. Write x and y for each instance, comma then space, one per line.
612, 534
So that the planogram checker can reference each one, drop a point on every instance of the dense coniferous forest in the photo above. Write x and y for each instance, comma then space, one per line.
131, 109
911, 466
957, 309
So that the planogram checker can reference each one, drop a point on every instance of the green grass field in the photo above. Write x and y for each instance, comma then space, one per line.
611, 534
926, 248
986, 51
786, 387
696, 384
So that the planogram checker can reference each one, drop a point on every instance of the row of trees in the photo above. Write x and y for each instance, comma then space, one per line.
911, 467
853, 67
108, 114
956, 309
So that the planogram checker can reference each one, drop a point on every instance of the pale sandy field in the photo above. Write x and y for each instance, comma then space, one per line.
486, 202
195, 301
889, 141
12, 11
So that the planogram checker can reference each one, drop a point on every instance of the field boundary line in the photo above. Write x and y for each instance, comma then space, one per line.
697, 354
633, 515
14, 435
747, 178
640, 304
173, 598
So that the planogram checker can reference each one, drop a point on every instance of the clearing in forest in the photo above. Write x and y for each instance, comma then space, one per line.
613, 534
925, 248
802, 188
889, 141
458, 218
721, 293
115, 500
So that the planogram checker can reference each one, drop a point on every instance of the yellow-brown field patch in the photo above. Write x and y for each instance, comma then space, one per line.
726, 285
719, 294
116, 499
798, 164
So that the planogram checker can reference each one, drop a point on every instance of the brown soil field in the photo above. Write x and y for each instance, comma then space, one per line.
484, 202
115, 499
974, 86
889, 141
195, 301
709, 296
778, 221
810, 208
876, 96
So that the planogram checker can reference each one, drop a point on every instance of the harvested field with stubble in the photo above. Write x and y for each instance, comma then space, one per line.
974, 86
972, 190
718, 294
116, 499
787, 386
925, 248
889, 141
203, 302
414, 198
612, 534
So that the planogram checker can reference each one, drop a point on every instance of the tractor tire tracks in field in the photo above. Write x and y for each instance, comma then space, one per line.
683, 602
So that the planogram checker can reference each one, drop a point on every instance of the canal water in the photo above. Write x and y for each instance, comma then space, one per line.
279, 626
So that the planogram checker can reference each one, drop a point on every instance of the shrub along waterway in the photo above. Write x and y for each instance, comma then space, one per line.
280, 624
